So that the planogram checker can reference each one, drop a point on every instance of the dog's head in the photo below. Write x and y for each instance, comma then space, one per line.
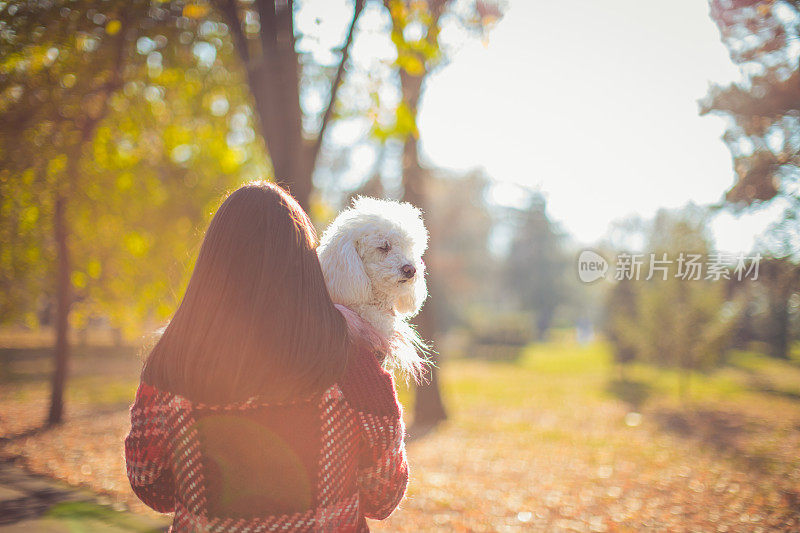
373, 251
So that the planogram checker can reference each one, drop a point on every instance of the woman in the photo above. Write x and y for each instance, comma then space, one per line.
263, 407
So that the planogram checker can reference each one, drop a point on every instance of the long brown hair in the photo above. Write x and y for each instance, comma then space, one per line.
256, 317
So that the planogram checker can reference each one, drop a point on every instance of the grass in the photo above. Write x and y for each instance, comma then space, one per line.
554, 440
89, 517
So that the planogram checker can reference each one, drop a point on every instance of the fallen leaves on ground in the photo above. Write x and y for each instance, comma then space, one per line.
571, 463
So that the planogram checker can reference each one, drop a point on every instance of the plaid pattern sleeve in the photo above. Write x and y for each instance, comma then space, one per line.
383, 469
382, 482
146, 451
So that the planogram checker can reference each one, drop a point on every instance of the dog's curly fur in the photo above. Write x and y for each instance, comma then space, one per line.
363, 254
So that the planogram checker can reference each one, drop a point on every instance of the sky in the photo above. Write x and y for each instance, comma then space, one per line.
592, 103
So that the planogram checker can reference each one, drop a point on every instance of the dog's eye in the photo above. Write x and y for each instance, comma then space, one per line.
385, 247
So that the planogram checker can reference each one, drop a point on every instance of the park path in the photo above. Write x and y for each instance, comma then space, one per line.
30, 503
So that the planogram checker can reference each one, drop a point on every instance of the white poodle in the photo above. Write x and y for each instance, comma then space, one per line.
371, 257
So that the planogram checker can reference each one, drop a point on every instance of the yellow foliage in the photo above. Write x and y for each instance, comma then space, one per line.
93, 268
56, 165
136, 244
196, 10
29, 216
411, 64
125, 181
113, 27
398, 10
79, 279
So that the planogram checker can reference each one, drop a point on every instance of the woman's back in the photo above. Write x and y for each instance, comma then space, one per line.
320, 463
256, 321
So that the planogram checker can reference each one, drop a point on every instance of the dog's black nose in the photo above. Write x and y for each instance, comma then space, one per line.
409, 271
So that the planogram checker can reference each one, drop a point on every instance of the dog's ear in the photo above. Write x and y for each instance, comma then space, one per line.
409, 304
347, 282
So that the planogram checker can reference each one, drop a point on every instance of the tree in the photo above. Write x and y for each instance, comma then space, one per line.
764, 117
416, 56
108, 115
415, 34
764, 109
621, 302
264, 36
72, 129
536, 265
781, 281
620, 323
460, 266
771, 312
672, 319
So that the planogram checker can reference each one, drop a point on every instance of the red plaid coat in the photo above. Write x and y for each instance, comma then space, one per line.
322, 463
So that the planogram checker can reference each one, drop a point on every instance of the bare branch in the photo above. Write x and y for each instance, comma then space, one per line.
337, 81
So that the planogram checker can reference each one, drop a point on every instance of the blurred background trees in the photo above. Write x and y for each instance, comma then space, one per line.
763, 112
538, 265
120, 131
770, 308
123, 123
668, 316
763, 109
463, 271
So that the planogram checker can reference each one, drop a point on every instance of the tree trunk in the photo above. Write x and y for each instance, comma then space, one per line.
273, 74
274, 83
429, 409
780, 319
783, 285
86, 129
63, 304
